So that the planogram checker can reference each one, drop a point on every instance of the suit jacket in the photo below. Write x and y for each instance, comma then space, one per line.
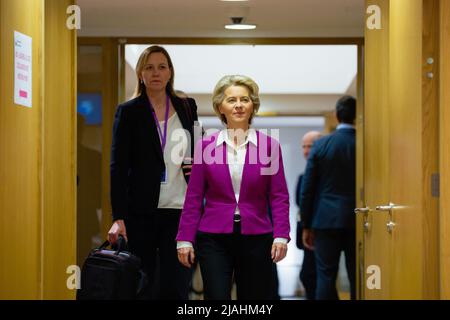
298, 190
299, 237
211, 181
137, 161
327, 196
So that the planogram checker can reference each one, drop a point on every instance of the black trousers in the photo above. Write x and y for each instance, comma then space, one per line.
152, 238
308, 274
328, 245
247, 257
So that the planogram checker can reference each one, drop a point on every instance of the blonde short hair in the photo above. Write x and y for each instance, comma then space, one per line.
235, 80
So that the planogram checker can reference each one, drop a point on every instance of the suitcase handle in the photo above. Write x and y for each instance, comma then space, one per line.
104, 245
120, 246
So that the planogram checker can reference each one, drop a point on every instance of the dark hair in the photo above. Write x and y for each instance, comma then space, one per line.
346, 109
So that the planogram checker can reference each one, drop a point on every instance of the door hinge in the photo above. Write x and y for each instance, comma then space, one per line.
435, 185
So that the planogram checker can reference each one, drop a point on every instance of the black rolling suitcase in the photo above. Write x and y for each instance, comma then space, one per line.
111, 274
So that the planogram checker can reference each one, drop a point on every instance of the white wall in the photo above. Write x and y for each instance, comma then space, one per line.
293, 79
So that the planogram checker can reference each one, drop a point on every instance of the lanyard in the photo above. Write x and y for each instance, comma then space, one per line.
163, 137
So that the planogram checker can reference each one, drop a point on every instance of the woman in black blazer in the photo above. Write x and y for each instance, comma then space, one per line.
152, 136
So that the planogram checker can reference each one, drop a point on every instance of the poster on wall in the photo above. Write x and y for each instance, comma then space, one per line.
22, 69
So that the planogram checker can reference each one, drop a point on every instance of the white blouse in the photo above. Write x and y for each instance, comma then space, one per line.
236, 158
173, 192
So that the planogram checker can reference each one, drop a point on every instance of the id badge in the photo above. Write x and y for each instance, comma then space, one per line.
164, 176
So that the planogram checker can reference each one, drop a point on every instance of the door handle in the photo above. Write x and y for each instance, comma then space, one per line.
362, 210
390, 226
366, 226
385, 208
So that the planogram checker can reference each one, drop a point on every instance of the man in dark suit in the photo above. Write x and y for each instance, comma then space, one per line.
328, 199
308, 272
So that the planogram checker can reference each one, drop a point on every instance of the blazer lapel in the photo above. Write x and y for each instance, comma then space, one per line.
180, 109
154, 131
224, 169
246, 170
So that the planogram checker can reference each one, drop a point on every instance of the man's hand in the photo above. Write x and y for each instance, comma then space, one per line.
308, 239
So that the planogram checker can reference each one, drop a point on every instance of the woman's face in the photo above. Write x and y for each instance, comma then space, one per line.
237, 106
156, 72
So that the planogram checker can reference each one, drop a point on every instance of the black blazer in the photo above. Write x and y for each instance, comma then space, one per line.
137, 161
328, 186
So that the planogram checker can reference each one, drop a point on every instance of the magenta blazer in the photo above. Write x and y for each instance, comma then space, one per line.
263, 185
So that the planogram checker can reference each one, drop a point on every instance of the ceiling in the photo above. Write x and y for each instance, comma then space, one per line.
314, 93
206, 18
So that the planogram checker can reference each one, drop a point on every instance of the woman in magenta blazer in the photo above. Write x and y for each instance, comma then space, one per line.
237, 176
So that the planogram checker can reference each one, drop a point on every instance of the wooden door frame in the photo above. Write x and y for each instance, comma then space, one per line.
114, 77
360, 195
444, 150
430, 145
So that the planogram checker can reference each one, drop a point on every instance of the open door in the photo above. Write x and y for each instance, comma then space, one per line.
397, 221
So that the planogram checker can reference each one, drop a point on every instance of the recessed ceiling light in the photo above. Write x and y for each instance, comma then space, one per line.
238, 25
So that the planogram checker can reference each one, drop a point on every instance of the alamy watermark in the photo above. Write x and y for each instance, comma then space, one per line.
266, 154
74, 20
374, 20
374, 280
74, 280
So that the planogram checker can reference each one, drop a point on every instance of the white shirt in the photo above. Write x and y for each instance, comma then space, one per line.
236, 160
173, 192
345, 126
